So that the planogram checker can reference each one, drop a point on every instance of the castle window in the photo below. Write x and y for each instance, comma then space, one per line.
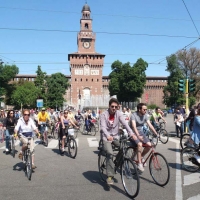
75, 79
86, 26
92, 79
97, 80
81, 79
86, 79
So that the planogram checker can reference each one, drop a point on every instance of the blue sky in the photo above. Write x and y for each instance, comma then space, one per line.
28, 49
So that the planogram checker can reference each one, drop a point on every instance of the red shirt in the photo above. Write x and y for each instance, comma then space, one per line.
111, 119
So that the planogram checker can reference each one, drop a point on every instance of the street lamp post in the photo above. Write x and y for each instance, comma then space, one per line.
1, 62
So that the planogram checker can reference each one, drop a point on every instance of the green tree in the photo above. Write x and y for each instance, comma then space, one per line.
57, 84
7, 73
25, 95
40, 83
172, 96
126, 81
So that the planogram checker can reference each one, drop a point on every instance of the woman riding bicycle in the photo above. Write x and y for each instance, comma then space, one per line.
9, 125
66, 122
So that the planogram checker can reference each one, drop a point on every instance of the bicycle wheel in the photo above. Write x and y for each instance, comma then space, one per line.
189, 163
97, 126
72, 147
162, 125
13, 147
29, 165
159, 169
153, 138
46, 140
184, 140
130, 178
93, 130
102, 166
164, 136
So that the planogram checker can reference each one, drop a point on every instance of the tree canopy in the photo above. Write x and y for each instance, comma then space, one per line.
126, 81
56, 87
25, 94
7, 73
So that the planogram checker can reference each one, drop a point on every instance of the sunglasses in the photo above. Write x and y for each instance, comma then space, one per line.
144, 109
26, 114
65, 113
11, 113
114, 106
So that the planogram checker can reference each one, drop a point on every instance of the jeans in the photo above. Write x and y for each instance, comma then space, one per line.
8, 134
179, 130
87, 124
110, 166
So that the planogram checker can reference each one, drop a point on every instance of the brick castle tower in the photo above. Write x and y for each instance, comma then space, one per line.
86, 64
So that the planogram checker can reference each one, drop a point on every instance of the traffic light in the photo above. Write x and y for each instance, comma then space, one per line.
181, 85
192, 85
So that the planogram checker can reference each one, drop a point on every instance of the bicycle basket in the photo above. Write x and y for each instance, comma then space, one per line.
71, 131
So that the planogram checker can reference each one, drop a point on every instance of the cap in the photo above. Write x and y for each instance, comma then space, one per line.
43, 109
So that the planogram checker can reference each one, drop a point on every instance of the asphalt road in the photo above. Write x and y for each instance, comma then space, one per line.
60, 177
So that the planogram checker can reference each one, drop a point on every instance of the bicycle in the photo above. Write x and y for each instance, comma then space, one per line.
128, 170
91, 129
157, 164
70, 143
27, 159
188, 160
53, 132
184, 140
44, 135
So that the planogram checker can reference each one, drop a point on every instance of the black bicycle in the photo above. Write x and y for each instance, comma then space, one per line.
128, 170
27, 159
70, 143
44, 135
92, 130
184, 140
188, 159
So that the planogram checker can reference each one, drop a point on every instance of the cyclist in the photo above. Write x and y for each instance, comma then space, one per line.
25, 127
88, 118
156, 116
109, 128
78, 117
53, 119
43, 118
138, 119
65, 121
9, 125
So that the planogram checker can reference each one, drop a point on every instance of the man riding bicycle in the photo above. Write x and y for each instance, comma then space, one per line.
43, 118
156, 116
109, 128
53, 119
138, 119
25, 127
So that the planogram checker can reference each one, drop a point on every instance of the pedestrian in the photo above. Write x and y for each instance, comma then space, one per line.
178, 120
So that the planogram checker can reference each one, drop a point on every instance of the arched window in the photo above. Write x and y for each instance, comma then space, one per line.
86, 26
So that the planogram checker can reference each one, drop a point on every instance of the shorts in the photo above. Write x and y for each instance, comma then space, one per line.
135, 142
63, 132
24, 141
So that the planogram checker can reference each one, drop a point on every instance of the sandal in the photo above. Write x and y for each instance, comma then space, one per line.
20, 156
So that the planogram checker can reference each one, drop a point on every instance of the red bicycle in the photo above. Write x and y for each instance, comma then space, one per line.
158, 165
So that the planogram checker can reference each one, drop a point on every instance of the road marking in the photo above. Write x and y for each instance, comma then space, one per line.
175, 141
179, 192
191, 179
93, 142
52, 144
195, 197
76, 141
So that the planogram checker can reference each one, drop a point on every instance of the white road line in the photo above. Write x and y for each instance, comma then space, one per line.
93, 142
179, 192
195, 197
191, 179
175, 141
76, 141
52, 144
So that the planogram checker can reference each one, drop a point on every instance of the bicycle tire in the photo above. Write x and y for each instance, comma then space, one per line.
13, 147
155, 164
72, 145
162, 125
46, 140
188, 160
129, 171
102, 166
93, 130
29, 165
164, 136
184, 140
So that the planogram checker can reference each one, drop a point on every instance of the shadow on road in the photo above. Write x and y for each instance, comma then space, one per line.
19, 166
93, 177
56, 151
174, 149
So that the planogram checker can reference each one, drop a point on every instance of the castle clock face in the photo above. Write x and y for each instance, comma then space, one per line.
86, 45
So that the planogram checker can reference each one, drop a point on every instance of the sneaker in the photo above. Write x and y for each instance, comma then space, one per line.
109, 181
7, 150
144, 164
197, 158
33, 166
140, 167
20, 156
